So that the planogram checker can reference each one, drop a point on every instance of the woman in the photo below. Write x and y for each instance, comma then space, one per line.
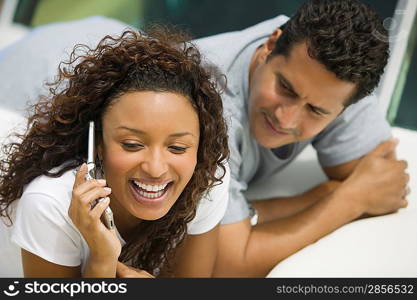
161, 148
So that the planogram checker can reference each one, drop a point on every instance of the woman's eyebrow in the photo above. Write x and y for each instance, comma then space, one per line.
138, 131
180, 134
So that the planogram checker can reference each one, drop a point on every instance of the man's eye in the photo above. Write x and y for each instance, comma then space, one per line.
285, 90
132, 146
315, 111
177, 149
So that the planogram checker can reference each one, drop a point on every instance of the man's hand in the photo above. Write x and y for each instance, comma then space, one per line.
378, 185
124, 271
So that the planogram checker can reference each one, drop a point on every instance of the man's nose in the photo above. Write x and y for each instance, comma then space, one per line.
289, 115
154, 164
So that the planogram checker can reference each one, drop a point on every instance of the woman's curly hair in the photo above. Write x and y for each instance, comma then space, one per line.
161, 60
346, 36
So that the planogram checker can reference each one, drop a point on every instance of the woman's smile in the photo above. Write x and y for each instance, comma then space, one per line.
150, 194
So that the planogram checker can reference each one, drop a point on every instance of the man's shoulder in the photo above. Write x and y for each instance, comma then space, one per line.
222, 49
367, 106
261, 29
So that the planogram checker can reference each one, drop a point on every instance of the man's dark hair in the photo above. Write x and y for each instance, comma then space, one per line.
344, 36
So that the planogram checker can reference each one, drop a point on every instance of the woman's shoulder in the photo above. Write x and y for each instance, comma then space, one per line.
212, 206
41, 219
220, 190
51, 188
45, 200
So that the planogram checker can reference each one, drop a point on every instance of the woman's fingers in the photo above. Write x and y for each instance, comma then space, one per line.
89, 198
88, 185
81, 184
123, 271
85, 193
80, 175
101, 205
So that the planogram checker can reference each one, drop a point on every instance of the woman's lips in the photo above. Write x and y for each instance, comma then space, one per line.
139, 196
270, 126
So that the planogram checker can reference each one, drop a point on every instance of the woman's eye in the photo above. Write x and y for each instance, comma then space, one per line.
177, 149
132, 146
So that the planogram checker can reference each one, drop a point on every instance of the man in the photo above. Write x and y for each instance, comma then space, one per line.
291, 83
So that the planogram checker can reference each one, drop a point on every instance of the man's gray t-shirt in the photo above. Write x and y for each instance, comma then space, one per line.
351, 135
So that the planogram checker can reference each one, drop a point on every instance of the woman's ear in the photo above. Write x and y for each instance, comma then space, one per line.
99, 151
100, 167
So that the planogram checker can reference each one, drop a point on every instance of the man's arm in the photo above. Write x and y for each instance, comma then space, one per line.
196, 256
281, 207
342, 171
375, 187
276, 208
246, 251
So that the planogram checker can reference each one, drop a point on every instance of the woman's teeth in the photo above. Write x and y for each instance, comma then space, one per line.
150, 191
150, 195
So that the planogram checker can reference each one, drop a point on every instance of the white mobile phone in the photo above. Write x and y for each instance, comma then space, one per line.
107, 216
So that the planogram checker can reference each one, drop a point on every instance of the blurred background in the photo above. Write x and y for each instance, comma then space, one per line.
397, 91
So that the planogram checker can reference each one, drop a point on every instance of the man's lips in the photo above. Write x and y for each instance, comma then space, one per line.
271, 126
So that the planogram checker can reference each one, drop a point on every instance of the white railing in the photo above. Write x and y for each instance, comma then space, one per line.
403, 20
9, 31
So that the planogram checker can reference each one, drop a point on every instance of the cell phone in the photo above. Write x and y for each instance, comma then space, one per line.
107, 216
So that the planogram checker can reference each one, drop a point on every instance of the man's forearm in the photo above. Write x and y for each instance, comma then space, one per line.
277, 208
271, 242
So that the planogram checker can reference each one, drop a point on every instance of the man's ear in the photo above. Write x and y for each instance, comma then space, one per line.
269, 45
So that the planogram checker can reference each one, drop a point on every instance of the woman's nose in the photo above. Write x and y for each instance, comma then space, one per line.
155, 164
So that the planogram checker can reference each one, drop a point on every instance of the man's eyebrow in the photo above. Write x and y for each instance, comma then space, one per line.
290, 88
138, 131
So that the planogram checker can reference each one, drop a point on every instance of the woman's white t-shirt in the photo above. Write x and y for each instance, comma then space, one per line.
42, 225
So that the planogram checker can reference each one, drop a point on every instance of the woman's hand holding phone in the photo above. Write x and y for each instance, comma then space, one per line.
104, 244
